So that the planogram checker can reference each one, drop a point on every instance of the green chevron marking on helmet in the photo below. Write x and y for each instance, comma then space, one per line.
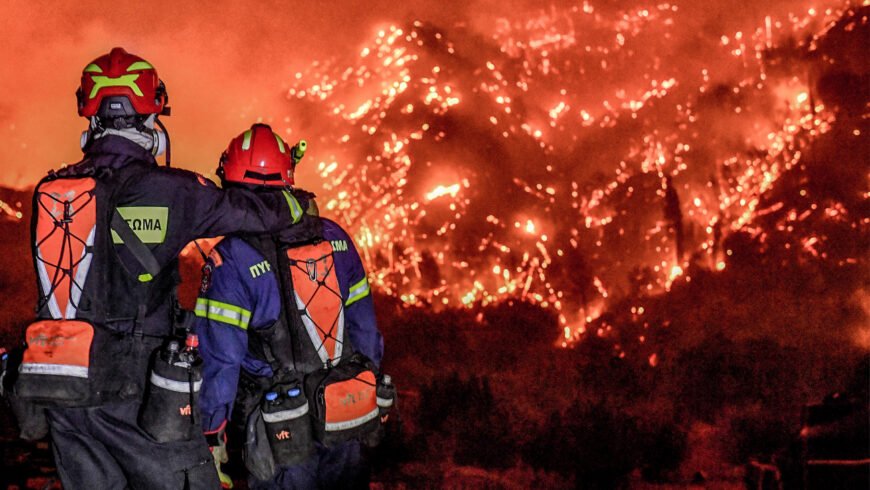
246, 140
101, 82
280, 142
140, 65
93, 68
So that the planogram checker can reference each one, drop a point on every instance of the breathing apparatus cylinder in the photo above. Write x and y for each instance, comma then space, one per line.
288, 427
170, 411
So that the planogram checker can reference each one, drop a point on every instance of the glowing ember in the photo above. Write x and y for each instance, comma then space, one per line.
638, 165
9, 211
442, 190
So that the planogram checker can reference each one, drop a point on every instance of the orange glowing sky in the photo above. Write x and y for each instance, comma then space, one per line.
225, 64
655, 128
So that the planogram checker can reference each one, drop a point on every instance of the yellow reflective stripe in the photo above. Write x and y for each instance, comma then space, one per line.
296, 211
140, 65
93, 68
246, 140
145, 277
101, 82
280, 142
358, 291
222, 312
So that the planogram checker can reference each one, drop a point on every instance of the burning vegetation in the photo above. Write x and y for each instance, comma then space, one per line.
568, 156
612, 242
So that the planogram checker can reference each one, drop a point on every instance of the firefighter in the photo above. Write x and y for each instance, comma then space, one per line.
256, 277
107, 234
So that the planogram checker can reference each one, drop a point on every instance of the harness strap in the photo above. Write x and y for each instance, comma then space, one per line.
278, 345
139, 250
285, 282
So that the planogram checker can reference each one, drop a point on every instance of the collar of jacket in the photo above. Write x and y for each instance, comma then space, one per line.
308, 230
124, 151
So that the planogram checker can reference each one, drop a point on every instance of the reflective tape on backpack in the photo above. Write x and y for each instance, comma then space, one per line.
222, 312
45, 282
385, 402
81, 275
350, 424
314, 333
285, 414
172, 385
54, 369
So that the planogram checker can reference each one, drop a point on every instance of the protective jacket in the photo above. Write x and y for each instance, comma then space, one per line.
103, 309
240, 293
108, 287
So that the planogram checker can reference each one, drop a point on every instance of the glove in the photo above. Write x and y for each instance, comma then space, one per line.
217, 444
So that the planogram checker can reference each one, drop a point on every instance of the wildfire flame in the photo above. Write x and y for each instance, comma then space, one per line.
525, 207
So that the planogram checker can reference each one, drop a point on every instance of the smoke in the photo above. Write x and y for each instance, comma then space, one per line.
226, 65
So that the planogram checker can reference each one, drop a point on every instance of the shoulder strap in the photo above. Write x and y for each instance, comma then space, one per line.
135, 246
288, 308
278, 344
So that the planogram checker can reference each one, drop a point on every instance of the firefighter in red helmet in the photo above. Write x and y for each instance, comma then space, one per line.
105, 361
262, 164
288, 331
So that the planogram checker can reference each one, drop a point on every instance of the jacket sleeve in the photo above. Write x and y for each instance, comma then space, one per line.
231, 301
211, 211
359, 311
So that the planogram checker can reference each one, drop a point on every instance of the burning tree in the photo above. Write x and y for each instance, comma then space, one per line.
549, 156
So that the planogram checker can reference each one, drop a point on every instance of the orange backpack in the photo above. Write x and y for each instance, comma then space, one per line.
310, 343
73, 214
342, 393
56, 362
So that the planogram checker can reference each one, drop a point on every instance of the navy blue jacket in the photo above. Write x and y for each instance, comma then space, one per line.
243, 294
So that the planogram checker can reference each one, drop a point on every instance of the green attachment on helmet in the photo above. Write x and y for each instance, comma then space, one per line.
298, 151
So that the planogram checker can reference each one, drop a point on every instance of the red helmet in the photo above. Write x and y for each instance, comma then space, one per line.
258, 156
121, 84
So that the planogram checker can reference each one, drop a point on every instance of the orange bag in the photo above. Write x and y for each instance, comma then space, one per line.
56, 362
351, 402
343, 400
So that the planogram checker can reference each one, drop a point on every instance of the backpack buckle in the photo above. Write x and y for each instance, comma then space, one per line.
311, 268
